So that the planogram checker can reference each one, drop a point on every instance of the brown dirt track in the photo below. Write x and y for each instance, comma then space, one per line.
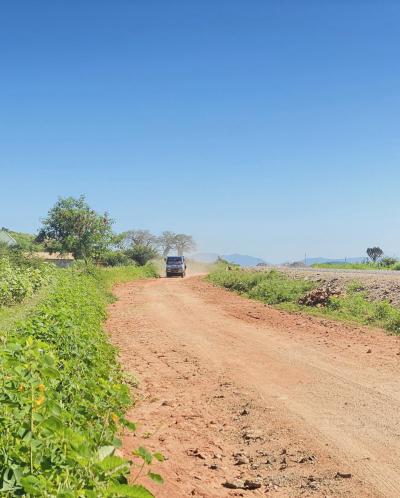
232, 389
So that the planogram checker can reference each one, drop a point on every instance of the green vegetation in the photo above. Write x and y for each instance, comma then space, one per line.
73, 226
391, 264
374, 253
349, 266
17, 282
354, 306
270, 287
277, 289
141, 254
107, 277
376, 261
25, 241
62, 393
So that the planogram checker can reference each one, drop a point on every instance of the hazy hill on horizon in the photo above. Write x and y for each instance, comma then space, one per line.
238, 259
247, 260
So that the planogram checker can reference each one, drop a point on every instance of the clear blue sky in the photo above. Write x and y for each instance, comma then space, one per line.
262, 127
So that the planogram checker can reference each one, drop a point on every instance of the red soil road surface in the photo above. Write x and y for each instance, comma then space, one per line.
232, 390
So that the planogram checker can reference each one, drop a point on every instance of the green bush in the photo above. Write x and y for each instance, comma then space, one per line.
115, 258
63, 398
19, 282
141, 254
355, 306
270, 287
276, 288
236, 280
388, 262
348, 266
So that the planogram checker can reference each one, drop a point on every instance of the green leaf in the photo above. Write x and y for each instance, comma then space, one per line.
156, 478
159, 456
8, 480
50, 373
113, 464
31, 485
48, 360
129, 491
52, 423
145, 455
117, 442
127, 423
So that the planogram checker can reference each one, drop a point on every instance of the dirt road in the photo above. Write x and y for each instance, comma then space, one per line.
246, 400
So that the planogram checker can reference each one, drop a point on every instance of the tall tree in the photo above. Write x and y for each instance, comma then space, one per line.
374, 253
73, 226
139, 237
166, 242
184, 243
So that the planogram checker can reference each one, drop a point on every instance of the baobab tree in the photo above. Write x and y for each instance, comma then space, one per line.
374, 253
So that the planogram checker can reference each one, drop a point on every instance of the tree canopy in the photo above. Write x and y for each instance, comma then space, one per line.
374, 253
184, 243
73, 226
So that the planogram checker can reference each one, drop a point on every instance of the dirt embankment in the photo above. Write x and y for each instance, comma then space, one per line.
247, 400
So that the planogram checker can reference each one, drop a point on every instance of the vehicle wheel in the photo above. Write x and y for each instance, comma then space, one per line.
182, 275
168, 275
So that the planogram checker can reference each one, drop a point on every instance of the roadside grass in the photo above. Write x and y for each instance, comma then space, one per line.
356, 266
108, 277
10, 315
63, 395
275, 288
269, 287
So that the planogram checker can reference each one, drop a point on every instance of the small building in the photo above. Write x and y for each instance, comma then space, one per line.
60, 260
6, 238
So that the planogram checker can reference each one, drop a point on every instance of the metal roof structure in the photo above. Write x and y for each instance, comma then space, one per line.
6, 238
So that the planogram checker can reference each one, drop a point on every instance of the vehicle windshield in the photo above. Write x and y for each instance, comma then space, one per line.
174, 260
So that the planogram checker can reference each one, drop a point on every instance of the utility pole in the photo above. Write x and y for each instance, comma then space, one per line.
305, 258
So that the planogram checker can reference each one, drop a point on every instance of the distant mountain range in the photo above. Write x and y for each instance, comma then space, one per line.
238, 259
242, 259
246, 260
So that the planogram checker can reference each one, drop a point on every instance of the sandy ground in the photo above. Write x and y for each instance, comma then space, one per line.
235, 393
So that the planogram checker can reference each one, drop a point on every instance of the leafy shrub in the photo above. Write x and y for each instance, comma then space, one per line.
18, 282
388, 262
115, 258
356, 307
141, 254
63, 399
